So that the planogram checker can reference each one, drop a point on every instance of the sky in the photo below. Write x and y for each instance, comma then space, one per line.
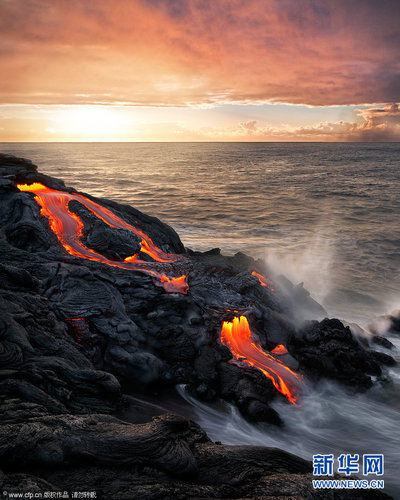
199, 70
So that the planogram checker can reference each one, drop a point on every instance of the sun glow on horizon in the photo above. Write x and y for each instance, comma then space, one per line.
91, 122
225, 123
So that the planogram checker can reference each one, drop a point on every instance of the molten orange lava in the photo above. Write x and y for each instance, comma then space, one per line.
68, 227
237, 336
279, 350
264, 281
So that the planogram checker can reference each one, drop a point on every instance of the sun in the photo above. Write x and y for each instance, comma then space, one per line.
90, 123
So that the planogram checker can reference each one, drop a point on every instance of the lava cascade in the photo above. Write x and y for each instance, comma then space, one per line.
237, 336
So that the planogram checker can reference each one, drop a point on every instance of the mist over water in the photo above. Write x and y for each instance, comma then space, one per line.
329, 420
323, 214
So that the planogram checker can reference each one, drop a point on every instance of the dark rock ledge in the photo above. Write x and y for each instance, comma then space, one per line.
73, 332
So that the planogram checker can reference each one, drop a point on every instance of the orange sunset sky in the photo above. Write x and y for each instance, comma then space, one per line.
199, 70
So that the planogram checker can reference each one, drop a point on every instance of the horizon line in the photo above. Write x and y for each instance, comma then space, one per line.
200, 142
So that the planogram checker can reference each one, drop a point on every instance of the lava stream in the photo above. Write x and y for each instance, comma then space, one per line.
237, 336
263, 280
68, 227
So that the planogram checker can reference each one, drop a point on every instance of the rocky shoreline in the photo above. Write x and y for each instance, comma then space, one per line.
75, 330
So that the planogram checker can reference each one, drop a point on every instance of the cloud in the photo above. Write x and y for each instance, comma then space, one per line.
199, 53
378, 124
375, 125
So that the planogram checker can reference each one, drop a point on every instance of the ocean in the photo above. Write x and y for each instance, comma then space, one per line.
325, 214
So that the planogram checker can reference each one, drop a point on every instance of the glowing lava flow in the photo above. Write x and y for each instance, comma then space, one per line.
263, 281
68, 227
236, 335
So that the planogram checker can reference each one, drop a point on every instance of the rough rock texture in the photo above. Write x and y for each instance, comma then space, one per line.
72, 331
169, 457
329, 349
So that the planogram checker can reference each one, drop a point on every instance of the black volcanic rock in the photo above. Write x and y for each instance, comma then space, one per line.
382, 341
168, 457
113, 243
329, 349
73, 331
394, 323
